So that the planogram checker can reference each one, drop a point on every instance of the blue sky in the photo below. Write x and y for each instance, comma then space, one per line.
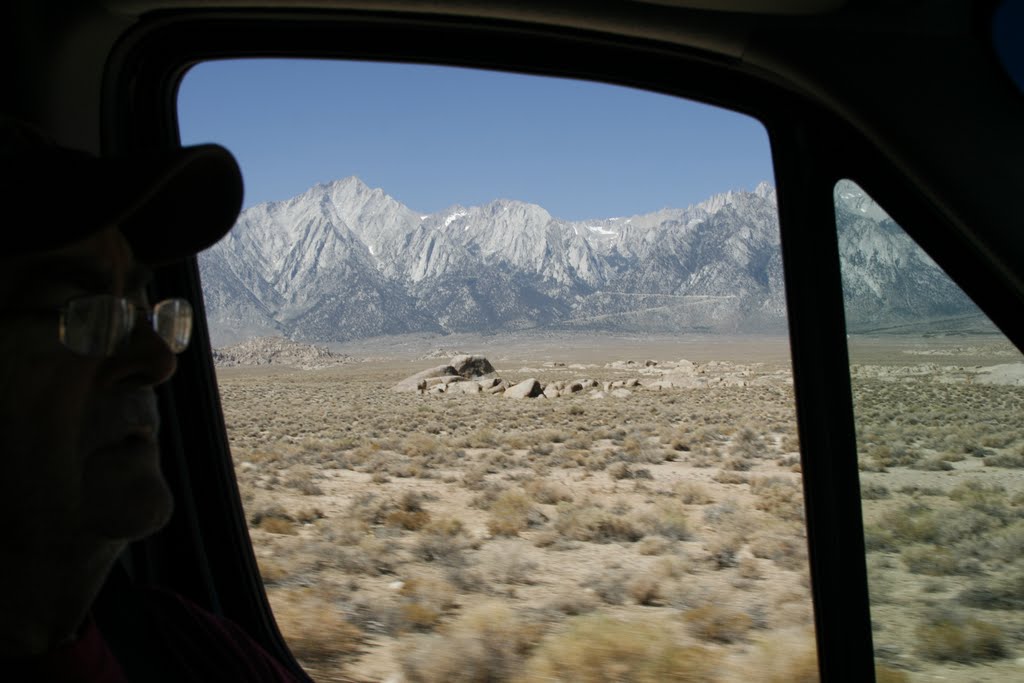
432, 137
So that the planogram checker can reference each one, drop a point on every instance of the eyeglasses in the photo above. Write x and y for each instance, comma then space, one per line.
97, 325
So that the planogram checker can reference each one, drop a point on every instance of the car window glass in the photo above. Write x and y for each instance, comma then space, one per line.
489, 420
1007, 26
938, 396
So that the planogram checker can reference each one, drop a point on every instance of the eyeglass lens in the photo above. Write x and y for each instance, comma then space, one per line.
172, 320
97, 325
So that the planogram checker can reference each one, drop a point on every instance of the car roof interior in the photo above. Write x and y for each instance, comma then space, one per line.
906, 97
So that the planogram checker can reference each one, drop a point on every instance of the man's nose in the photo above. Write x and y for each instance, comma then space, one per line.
144, 359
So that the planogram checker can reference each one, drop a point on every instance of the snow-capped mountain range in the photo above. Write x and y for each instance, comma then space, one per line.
344, 261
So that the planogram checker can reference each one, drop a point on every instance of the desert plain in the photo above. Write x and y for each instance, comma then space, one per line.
636, 530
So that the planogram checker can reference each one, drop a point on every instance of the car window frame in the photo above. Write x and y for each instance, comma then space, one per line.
811, 150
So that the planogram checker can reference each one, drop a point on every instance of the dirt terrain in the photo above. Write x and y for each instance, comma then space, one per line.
646, 535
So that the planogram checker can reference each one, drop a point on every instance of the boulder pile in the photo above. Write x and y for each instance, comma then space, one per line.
277, 351
474, 374
464, 368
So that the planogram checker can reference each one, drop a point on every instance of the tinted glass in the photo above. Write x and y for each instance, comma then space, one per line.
938, 399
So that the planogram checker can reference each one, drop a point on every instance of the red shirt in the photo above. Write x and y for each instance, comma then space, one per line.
87, 659
167, 638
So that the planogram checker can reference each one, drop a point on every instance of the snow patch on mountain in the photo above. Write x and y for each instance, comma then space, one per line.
454, 217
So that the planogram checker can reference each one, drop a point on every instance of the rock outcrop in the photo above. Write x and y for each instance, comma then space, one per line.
469, 366
277, 351
528, 388
473, 374
462, 367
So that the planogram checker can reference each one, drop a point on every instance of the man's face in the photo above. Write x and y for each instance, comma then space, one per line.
78, 435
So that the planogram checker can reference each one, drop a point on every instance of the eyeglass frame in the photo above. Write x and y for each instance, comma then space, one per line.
130, 312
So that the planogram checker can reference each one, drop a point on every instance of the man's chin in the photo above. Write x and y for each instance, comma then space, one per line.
125, 496
132, 512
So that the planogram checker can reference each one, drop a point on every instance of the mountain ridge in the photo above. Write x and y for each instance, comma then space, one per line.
344, 261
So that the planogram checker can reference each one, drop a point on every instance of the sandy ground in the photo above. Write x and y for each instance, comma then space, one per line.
390, 526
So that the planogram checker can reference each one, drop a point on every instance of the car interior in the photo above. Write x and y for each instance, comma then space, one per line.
911, 99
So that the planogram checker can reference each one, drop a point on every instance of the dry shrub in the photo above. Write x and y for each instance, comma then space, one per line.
410, 521
488, 642
416, 616
790, 443
912, 523
639, 449
569, 457
596, 462
673, 567
748, 568
370, 508
419, 445
275, 511
302, 480
308, 515
551, 435
609, 584
276, 525
934, 464
692, 493
748, 444
780, 497
425, 600
730, 477
723, 550
679, 444
596, 525
510, 513
485, 437
669, 519
271, 570
788, 656
315, 630
948, 636
719, 623
406, 469
976, 495
548, 492
346, 531
735, 463
934, 561
599, 648
442, 540
542, 449
475, 477
1004, 591
872, 491
508, 562
375, 556
575, 604
445, 526
1009, 460
620, 470
653, 545
645, 589
410, 514
411, 501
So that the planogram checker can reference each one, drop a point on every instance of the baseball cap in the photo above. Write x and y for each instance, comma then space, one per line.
169, 203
